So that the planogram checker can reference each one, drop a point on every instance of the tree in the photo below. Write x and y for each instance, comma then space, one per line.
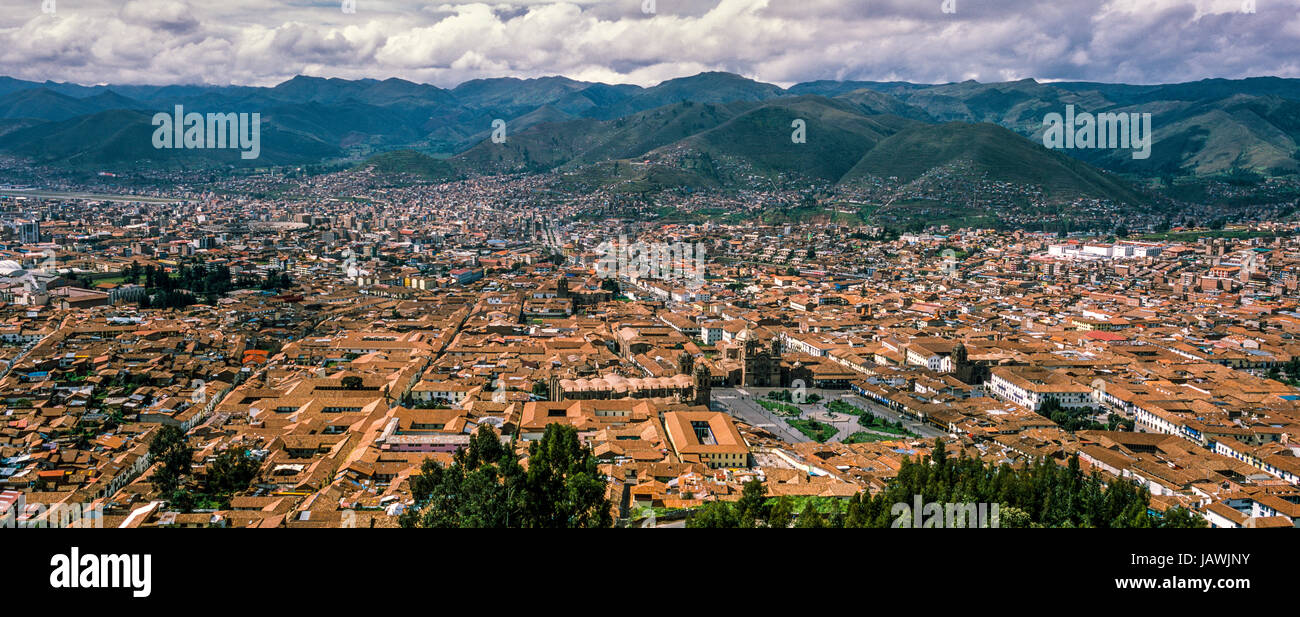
114, 419
276, 280
565, 487
1182, 518
752, 506
836, 518
810, 518
939, 456
715, 515
1013, 518
172, 454
484, 449
1041, 493
782, 513
485, 486
1293, 369
231, 472
1068, 419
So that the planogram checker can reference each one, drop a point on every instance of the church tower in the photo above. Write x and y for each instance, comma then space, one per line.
703, 384
555, 392
561, 286
685, 363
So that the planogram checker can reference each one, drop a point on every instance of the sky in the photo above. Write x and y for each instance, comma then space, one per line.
644, 42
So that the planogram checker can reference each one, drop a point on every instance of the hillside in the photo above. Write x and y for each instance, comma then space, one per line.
992, 150
412, 163
1202, 128
113, 138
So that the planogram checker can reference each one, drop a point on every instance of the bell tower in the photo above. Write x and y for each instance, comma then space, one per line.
703, 384
685, 363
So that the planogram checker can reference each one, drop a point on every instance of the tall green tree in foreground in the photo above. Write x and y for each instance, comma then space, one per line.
1040, 494
715, 515
752, 506
485, 486
782, 513
749, 511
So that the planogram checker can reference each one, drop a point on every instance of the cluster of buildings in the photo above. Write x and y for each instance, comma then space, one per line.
348, 329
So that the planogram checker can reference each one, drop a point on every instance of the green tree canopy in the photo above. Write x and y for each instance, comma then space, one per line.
1042, 493
172, 453
233, 471
485, 486
715, 515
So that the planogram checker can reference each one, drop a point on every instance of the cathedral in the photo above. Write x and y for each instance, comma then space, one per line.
760, 366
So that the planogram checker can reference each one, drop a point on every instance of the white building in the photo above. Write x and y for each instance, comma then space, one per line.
1031, 387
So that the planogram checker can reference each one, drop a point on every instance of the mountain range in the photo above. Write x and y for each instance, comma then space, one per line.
718, 128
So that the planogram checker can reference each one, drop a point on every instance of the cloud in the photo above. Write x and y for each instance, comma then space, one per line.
255, 42
169, 16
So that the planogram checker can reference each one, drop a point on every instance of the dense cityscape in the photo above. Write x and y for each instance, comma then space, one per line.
476, 266
349, 349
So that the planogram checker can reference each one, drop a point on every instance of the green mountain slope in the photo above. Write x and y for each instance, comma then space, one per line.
990, 149
116, 137
412, 163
